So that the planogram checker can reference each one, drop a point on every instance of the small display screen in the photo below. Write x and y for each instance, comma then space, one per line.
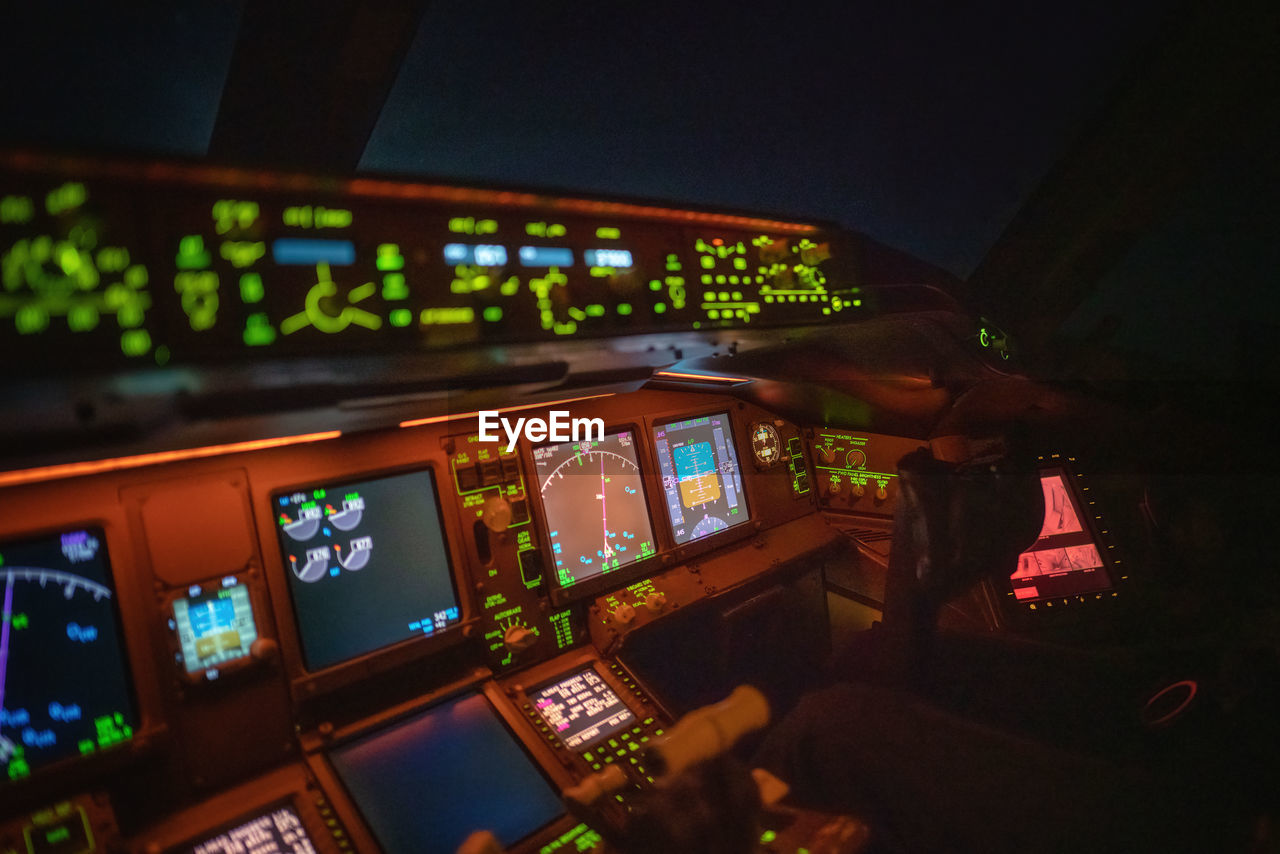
581, 708
368, 565
700, 476
214, 627
64, 680
1065, 560
274, 830
593, 496
425, 784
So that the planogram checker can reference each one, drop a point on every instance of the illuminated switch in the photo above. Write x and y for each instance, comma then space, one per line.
468, 479
519, 512
490, 472
510, 469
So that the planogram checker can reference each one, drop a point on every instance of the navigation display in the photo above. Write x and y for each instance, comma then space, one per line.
214, 627
1065, 560
593, 496
368, 565
700, 476
581, 708
273, 830
423, 785
64, 681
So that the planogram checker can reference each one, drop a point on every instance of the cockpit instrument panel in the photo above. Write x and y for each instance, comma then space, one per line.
594, 500
65, 687
129, 264
367, 564
701, 478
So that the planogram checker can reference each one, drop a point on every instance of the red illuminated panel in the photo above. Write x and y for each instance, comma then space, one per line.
1065, 560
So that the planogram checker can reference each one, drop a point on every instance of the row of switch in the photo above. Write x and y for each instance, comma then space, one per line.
477, 475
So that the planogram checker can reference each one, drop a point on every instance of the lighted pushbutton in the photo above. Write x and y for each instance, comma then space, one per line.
518, 638
624, 614
655, 601
497, 514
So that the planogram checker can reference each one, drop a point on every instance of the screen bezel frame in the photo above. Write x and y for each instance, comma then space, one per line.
561, 595
229, 668
1061, 612
186, 846
1086, 528
306, 683
734, 532
76, 767
349, 808
563, 675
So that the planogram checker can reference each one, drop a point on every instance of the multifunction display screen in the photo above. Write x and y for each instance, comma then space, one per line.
425, 784
593, 496
1065, 560
700, 476
64, 682
368, 565
214, 627
581, 708
276, 830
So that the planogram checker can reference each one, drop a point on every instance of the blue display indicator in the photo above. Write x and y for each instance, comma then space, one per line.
482, 254
301, 250
609, 258
545, 256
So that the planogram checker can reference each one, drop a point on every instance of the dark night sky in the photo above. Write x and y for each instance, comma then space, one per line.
924, 127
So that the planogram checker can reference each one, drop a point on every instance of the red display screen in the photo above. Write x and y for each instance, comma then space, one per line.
1065, 560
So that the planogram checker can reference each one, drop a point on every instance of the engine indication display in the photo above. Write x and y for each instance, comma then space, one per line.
368, 565
64, 681
593, 496
700, 476
581, 708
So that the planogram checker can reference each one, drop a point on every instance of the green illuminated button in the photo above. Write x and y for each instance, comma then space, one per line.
633, 747
636, 730
625, 736
608, 760
589, 756
613, 742
648, 721
596, 766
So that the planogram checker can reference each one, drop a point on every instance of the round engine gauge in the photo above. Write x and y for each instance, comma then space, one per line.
765, 444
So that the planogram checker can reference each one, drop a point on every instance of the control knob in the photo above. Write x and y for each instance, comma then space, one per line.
518, 638
624, 614
496, 514
655, 601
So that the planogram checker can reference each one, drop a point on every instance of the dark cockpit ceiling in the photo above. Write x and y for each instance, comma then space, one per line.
797, 264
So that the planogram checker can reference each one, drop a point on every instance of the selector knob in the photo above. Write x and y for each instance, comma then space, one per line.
858, 490
881, 493
655, 601
624, 614
518, 638
496, 514
833, 487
